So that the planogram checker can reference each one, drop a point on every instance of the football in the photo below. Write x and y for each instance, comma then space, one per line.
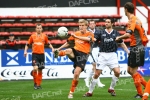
62, 32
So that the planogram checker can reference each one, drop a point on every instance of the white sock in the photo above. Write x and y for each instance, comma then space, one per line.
92, 85
98, 81
89, 74
113, 82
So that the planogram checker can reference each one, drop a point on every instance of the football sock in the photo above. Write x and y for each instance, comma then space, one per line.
92, 85
89, 74
146, 91
39, 78
34, 74
142, 80
137, 83
113, 82
73, 85
62, 53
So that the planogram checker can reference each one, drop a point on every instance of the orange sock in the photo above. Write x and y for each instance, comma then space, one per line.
142, 80
73, 85
62, 53
34, 73
39, 80
137, 83
147, 89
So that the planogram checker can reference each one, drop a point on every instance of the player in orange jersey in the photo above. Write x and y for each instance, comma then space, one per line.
37, 40
79, 53
136, 58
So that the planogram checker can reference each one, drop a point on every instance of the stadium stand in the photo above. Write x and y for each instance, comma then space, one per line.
23, 26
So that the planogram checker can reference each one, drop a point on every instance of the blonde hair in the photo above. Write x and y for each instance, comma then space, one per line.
83, 21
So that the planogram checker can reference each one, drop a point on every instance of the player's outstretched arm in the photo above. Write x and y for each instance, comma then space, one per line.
125, 47
83, 38
50, 46
63, 46
25, 50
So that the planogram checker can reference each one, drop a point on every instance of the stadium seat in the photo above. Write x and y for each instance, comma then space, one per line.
23, 41
16, 33
100, 24
49, 33
50, 24
116, 16
11, 17
72, 24
29, 24
95, 16
65, 17
23, 17
74, 16
4, 34
6, 25
54, 17
26, 33
18, 25
122, 32
57, 41
43, 17
120, 24
3, 17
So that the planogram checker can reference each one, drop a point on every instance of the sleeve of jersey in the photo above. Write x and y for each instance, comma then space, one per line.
46, 40
30, 41
71, 38
118, 34
131, 26
97, 36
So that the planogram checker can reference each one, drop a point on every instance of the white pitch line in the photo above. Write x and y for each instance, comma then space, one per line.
125, 89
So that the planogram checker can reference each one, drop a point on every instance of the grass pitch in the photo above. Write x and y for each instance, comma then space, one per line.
58, 89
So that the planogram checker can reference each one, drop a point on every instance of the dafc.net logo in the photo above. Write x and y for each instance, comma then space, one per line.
12, 58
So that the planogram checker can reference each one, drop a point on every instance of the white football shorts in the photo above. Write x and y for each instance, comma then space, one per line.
107, 59
95, 52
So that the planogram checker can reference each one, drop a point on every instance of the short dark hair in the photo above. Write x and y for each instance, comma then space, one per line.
38, 24
91, 20
130, 7
111, 19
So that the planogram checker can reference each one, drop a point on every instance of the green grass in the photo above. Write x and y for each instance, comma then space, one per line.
58, 90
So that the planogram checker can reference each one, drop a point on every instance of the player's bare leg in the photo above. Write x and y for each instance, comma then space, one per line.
115, 79
93, 83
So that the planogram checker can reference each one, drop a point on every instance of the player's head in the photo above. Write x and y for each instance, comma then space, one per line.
83, 24
92, 24
128, 8
109, 23
38, 28
11, 36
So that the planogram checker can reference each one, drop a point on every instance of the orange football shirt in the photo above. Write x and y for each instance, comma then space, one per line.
81, 45
38, 43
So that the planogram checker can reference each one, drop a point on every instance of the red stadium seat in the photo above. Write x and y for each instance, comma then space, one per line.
23, 41
23, 17
32, 17
4, 34
74, 16
65, 17
16, 33
29, 24
3, 17
57, 42
43, 17
72, 24
49, 33
50, 24
18, 25
122, 32
26, 33
6, 25
120, 24
54, 17
100, 24
2, 42
85, 16
95, 16
11, 17
61, 24
104, 16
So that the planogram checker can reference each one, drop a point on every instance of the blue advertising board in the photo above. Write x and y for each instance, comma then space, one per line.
12, 58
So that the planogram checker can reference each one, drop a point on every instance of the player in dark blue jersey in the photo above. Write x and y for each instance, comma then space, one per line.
93, 56
107, 56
